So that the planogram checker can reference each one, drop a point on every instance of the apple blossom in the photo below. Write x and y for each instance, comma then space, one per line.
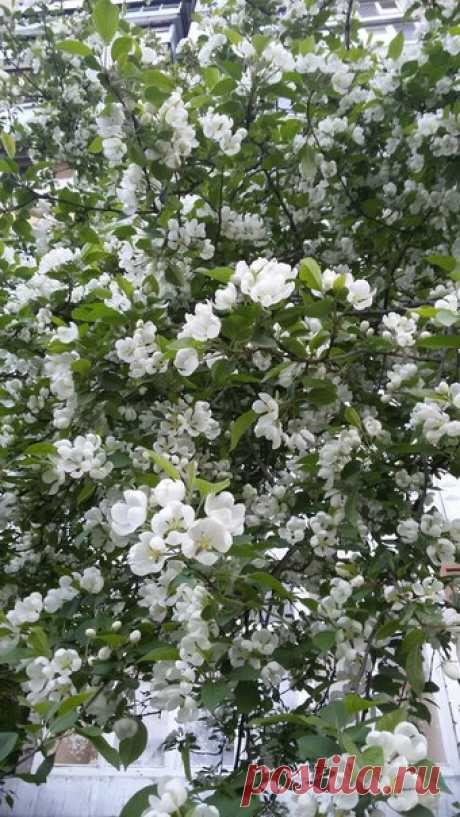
207, 538
92, 580
169, 490
186, 361
228, 387
128, 516
148, 555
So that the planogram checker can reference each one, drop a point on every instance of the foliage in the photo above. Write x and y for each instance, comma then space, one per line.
229, 381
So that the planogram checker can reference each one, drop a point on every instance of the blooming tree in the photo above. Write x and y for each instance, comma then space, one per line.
229, 380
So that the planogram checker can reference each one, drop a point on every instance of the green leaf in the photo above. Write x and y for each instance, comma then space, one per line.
158, 80
227, 802
260, 42
247, 697
240, 426
81, 366
8, 166
132, 748
287, 717
269, 582
396, 46
318, 309
42, 772
105, 16
440, 342
213, 694
9, 144
138, 803
38, 640
352, 417
335, 714
205, 487
310, 274
222, 274
8, 741
313, 746
445, 262
15, 655
91, 313
324, 640
64, 722
389, 721
290, 128
414, 670
427, 311
307, 45
121, 47
164, 464
156, 98
234, 36
419, 811
125, 285
211, 76
414, 638
354, 703
74, 47
113, 640
75, 701
327, 393
388, 629
87, 491
100, 744
200, 101
308, 163
161, 654
241, 323
96, 145
373, 756
40, 449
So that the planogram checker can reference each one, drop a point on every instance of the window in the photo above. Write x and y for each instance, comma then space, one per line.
388, 5
75, 750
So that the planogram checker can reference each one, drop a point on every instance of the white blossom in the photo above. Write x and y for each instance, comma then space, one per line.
268, 426
129, 515
207, 539
202, 325
359, 294
169, 490
222, 508
92, 580
266, 282
26, 611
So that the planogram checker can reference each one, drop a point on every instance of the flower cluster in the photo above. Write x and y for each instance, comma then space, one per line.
265, 282
174, 528
219, 128
403, 747
228, 384
50, 679
84, 455
141, 351
181, 139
